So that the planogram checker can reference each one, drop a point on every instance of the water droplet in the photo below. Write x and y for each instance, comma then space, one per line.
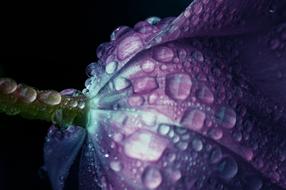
227, 168
148, 66
198, 56
119, 32
176, 138
198, 8
163, 67
226, 117
194, 119
61, 179
178, 86
129, 46
136, 101
216, 155
152, 99
205, 95
237, 136
26, 94
116, 166
102, 49
121, 83
111, 67
81, 105
153, 20
7, 85
180, 130
171, 157
94, 69
176, 175
51, 97
187, 13
183, 145
197, 145
151, 178
216, 133
163, 129
163, 54
71, 92
144, 84
143, 27
144, 145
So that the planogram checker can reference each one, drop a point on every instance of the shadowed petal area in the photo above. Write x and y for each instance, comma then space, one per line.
60, 151
262, 59
222, 18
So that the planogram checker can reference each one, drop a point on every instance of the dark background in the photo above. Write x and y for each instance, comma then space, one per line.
48, 45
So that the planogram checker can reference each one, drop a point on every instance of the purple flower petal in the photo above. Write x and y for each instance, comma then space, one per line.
61, 149
170, 107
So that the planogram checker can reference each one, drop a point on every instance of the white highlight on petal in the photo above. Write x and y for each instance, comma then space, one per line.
145, 145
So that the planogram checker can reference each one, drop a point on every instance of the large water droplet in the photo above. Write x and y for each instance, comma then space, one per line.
143, 27
136, 101
7, 85
121, 83
148, 66
194, 119
176, 175
151, 178
205, 95
115, 166
50, 97
26, 94
153, 98
183, 145
163, 129
145, 145
197, 144
163, 54
215, 156
111, 67
153, 20
94, 69
198, 7
178, 86
216, 133
144, 84
226, 117
119, 32
227, 168
129, 46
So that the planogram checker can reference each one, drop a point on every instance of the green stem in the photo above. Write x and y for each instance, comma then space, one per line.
46, 105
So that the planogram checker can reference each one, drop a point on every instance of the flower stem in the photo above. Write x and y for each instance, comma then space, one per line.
47, 105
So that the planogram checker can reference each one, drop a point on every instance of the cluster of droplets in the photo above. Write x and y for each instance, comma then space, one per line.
28, 94
196, 93
173, 110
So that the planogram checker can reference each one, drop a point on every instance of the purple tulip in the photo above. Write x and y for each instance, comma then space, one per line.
193, 102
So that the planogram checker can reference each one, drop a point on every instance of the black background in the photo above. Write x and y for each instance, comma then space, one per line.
48, 45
